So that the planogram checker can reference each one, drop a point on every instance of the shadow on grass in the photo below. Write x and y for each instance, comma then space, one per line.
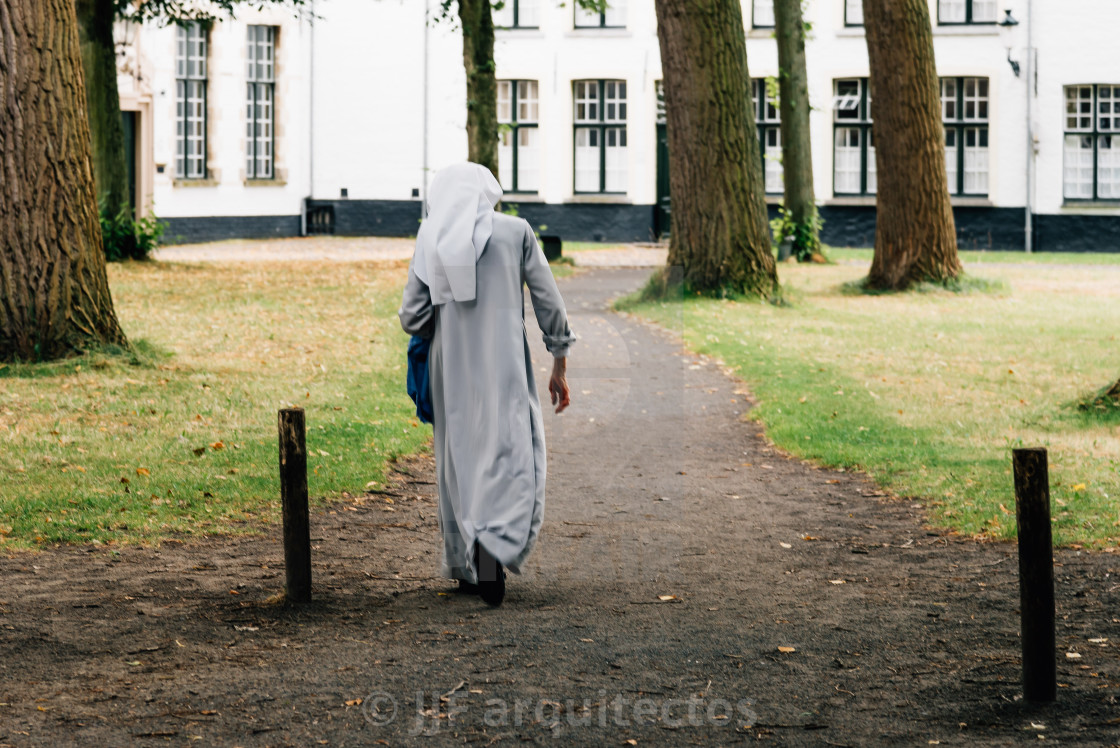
1101, 407
666, 285
964, 284
141, 353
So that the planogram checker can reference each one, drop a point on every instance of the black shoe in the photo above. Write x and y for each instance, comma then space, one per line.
491, 577
467, 588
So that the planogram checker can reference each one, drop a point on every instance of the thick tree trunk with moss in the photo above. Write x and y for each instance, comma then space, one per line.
482, 87
797, 152
54, 293
721, 237
915, 239
103, 103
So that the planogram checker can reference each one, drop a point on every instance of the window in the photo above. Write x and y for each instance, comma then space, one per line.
853, 12
762, 14
1092, 143
517, 14
519, 146
600, 136
768, 117
964, 110
613, 17
853, 154
966, 11
190, 101
260, 130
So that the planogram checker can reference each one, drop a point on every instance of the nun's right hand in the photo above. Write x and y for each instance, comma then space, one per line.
558, 385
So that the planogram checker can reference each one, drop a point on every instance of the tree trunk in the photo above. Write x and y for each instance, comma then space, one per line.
915, 239
103, 103
482, 87
54, 294
720, 237
797, 153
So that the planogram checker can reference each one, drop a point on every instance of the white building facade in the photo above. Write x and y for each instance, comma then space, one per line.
273, 125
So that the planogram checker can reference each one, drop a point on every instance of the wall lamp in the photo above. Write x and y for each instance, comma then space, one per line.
1006, 28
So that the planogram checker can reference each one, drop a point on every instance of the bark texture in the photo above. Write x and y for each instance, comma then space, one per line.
797, 152
103, 103
482, 86
915, 239
54, 293
720, 237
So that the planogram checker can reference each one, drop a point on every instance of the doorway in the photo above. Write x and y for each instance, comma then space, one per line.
661, 217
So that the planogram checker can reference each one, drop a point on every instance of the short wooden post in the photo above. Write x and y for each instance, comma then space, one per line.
1036, 574
293, 501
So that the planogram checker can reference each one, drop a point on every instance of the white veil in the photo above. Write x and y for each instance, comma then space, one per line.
460, 220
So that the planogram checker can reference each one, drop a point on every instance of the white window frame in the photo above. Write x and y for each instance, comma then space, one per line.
762, 14
1091, 143
614, 17
852, 112
853, 12
965, 113
768, 119
967, 12
600, 115
191, 126
519, 122
518, 14
260, 116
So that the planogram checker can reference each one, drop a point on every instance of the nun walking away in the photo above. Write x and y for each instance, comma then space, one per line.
466, 292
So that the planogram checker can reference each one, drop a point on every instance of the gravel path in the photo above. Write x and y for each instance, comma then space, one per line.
692, 586
310, 248
373, 249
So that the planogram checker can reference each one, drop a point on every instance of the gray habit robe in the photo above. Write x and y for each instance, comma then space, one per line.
488, 431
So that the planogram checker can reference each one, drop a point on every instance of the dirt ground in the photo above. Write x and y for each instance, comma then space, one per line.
692, 586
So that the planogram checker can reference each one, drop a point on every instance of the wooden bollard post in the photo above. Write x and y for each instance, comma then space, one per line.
293, 502
1036, 574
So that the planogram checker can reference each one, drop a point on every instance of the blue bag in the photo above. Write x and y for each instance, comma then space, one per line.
419, 388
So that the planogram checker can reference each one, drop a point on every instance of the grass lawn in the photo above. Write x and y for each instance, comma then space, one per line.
928, 392
974, 257
183, 440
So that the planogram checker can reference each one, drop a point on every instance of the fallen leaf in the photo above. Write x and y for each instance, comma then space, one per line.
354, 702
663, 598
1073, 655
1099, 640
143, 471
134, 663
1079, 487
217, 445
785, 545
631, 741
589, 641
836, 581
787, 650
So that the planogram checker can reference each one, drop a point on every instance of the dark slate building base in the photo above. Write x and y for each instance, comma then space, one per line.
374, 217
218, 228
589, 222
978, 228
1070, 233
